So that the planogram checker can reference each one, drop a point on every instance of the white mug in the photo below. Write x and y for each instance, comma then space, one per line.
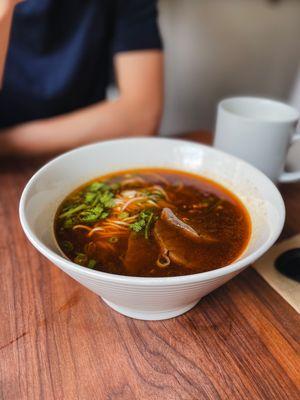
259, 131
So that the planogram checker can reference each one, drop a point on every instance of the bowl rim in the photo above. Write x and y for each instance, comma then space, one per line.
223, 105
148, 281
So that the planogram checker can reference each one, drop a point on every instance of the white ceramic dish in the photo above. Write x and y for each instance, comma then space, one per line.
150, 298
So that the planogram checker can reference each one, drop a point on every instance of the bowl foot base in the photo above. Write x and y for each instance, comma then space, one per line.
150, 315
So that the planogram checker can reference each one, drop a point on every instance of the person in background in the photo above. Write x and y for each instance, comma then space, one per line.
58, 68
6, 12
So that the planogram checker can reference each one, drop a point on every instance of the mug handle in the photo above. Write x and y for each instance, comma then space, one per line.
287, 177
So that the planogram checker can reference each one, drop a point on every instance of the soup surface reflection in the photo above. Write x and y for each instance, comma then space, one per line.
152, 223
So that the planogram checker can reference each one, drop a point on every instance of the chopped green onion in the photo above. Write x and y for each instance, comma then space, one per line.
92, 263
67, 245
81, 259
68, 223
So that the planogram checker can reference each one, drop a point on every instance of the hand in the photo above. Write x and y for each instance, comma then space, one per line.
20, 140
33, 138
4, 144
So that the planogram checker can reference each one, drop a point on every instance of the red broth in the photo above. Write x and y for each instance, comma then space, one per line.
152, 223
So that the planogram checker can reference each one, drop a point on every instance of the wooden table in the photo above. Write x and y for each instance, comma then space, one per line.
60, 341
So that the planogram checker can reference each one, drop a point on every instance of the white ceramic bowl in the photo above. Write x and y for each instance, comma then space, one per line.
150, 298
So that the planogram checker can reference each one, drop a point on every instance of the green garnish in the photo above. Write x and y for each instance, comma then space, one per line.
96, 210
89, 197
92, 263
72, 211
89, 218
81, 259
147, 192
95, 186
106, 199
145, 219
148, 224
67, 246
93, 214
104, 215
90, 205
123, 215
68, 223
159, 194
138, 225
154, 194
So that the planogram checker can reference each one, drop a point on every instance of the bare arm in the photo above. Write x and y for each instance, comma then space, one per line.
6, 13
137, 111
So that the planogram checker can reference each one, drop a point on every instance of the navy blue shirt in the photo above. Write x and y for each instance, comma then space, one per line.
60, 53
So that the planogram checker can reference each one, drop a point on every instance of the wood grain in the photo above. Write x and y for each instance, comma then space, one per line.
60, 341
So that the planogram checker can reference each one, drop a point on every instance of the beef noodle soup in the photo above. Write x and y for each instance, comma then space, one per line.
153, 223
